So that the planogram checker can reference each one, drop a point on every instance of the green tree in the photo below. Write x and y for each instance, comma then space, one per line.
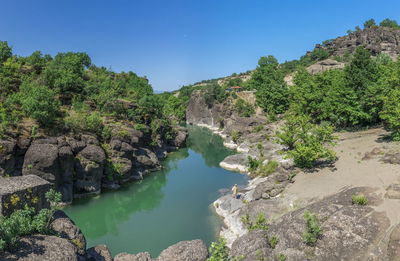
369, 23
271, 90
389, 23
5, 51
391, 113
38, 102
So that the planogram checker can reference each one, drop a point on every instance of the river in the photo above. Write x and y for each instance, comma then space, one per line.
165, 207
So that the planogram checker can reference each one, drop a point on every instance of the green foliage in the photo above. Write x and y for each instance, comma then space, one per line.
313, 230
219, 251
175, 108
253, 163
369, 23
359, 199
37, 101
390, 113
273, 241
214, 93
244, 108
259, 224
389, 23
85, 121
235, 135
281, 257
269, 168
24, 222
306, 142
267, 80
5, 52
234, 82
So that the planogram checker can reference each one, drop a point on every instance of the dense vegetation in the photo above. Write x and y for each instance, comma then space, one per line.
68, 93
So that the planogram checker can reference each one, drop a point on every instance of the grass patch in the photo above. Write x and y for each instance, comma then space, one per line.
313, 230
359, 199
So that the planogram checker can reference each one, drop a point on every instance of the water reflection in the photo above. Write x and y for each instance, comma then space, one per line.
209, 146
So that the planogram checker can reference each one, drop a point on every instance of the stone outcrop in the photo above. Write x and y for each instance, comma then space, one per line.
376, 39
79, 165
325, 65
99, 253
16, 192
67, 229
43, 248
350, 232
194, 250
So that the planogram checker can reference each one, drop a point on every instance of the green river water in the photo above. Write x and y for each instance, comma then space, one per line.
168, 206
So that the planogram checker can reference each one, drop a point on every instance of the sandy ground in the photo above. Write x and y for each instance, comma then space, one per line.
351, 170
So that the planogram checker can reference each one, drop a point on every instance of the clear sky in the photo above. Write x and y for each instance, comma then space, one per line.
177, 42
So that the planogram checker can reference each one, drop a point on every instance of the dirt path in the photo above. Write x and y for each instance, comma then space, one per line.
352, 169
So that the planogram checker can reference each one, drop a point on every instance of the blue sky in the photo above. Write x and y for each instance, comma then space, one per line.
177, 42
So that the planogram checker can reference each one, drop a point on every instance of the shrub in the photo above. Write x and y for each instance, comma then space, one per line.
219, 251
244, 108
235, 135
260, 222
359, 199
83, 121
281, 257
268, 168
306, 142
39, 103
273, 241
25, 222
313, 230
253, 163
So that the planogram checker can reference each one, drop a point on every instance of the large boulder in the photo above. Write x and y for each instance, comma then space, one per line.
7, 157
16, 192
43, 248
66, 228
99, 253
251, 246
194, 250
350, 232
89, 168
144, 256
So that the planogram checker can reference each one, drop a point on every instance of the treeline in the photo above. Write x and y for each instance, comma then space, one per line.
69, 93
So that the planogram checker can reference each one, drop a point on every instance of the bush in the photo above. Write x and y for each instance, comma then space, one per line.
244, 108
359, 199
281, 257
313, 230
219, 251
84, 121
268, 168
253, 163
390, 113
235, 135
25, 222
39, 103
259, 224
273, 241
306, 142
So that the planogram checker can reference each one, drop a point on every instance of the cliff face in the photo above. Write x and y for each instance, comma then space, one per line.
377, 40
80, 165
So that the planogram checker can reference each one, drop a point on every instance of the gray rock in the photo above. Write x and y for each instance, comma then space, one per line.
7, 157
130, 257
99, 253
43, 248
66, 228
252, 246
194, 250
16, 192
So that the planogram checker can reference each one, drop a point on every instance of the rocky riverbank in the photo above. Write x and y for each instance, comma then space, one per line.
366, 165
80, 165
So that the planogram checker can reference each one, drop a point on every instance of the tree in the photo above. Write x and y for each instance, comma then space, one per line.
369, 23
5, 51
64, 74
389, 23
391, 113
306, 143
271, 89
38, 102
